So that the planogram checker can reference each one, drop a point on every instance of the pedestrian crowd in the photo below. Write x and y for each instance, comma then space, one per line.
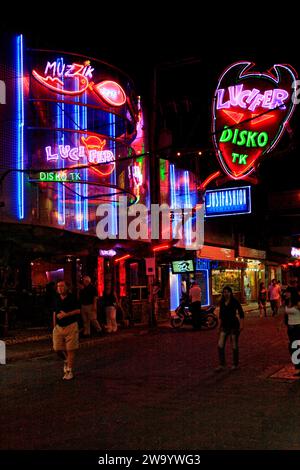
76, 316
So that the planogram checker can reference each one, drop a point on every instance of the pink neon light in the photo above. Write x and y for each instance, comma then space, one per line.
122, 258
111, 92
93, 143
209, 179
136, 176
236, 117
251, 99
57, 85
259, 119
239, 87
161, 247
75, 154
100, 276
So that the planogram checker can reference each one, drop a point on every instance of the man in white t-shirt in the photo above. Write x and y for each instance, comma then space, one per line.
274, 296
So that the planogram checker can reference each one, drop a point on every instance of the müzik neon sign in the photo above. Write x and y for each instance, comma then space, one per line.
57, 76
74, 79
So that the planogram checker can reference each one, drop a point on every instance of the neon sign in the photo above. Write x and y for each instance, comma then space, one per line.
228, 201
92, 148
111, 92
109, 253
58, 177
59, 77
136, 176
250, 112
295, 252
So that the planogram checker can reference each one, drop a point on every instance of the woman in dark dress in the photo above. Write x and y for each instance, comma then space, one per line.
231, 317
262, 299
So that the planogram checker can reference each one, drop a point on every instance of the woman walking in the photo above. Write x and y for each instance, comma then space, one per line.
231, 316
262, 299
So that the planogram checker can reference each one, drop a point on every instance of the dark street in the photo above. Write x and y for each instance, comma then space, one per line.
156, 391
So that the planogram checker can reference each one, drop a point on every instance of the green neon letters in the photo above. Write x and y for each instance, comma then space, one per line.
59, 176
248, 138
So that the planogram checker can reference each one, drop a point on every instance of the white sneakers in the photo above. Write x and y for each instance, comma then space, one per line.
68, 374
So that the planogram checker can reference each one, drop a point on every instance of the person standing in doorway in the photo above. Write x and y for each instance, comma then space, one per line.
262, 299
65, 331
110, 303
231, 317
88, 300
274, 296
195, 295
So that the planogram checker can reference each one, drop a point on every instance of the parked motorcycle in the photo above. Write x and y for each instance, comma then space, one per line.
206, 319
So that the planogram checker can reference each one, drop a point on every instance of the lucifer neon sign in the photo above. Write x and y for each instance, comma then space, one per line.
92, 148
250, 113
251, 99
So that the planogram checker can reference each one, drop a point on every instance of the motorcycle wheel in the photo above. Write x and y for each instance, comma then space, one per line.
177, 321
210, 322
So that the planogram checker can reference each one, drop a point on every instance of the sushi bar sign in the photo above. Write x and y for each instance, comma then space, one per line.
250, 113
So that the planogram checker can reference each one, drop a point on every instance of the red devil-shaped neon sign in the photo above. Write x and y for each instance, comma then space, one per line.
250, 113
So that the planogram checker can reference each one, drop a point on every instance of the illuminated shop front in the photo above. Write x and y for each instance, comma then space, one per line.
74, 138
224, 269
243, 275
178, 189
254, 272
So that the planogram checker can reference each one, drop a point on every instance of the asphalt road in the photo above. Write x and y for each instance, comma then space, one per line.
155, 391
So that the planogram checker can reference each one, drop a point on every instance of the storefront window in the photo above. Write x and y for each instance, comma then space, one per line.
254, 274
228, 277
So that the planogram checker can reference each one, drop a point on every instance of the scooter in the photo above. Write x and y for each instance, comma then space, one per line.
206, 318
